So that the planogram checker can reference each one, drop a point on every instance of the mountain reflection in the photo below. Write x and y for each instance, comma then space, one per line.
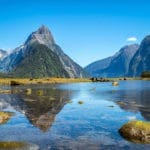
39, 106
135, 101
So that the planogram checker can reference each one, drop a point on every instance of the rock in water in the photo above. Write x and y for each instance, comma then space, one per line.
115, 83
136, 131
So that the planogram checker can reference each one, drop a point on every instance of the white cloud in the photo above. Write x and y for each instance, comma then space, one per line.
131, 39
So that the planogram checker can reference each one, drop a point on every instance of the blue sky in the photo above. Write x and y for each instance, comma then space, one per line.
87, 30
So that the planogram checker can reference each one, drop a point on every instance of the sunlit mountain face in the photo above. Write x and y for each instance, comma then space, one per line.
39, 57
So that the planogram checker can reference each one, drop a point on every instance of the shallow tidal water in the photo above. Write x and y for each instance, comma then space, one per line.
51, 117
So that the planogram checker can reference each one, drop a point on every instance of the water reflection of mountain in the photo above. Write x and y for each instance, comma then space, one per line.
135, 100
39, 106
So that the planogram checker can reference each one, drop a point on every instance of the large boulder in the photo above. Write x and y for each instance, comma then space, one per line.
136, 131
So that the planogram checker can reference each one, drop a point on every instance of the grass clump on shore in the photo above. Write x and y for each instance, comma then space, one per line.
5, 116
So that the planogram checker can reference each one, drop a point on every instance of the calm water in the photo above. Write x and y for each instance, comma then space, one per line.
51, 117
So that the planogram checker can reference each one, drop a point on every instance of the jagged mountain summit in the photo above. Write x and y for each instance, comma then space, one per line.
141, 60
114, 66
42, 36
40, 56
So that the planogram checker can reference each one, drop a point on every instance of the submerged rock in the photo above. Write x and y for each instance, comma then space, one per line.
121, 103
13, 145
80, 102
5, 92
136, 131
115, 83
5, 116
40, 92
28, 91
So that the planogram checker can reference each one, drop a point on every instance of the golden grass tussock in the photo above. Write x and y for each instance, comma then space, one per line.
12, 145
5, 116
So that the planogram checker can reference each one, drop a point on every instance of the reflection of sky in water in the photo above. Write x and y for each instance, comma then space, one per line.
92, 125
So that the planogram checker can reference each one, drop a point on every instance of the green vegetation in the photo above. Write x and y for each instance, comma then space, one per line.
136, 131
40, 62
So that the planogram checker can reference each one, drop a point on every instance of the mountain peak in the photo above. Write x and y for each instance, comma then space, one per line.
42, 36
43, 30
128, 49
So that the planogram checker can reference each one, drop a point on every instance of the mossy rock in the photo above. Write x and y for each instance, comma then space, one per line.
13, 145
80, 102
40, 93
28, 91
5, 116
136, 131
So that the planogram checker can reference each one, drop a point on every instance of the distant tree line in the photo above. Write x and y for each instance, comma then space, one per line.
145, 74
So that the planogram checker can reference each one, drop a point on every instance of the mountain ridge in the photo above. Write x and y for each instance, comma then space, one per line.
113, 66
141, 60
40, 37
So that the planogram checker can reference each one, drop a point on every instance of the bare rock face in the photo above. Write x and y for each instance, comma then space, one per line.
42, 38
136, 131
114, 66
94, 68
141, 60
